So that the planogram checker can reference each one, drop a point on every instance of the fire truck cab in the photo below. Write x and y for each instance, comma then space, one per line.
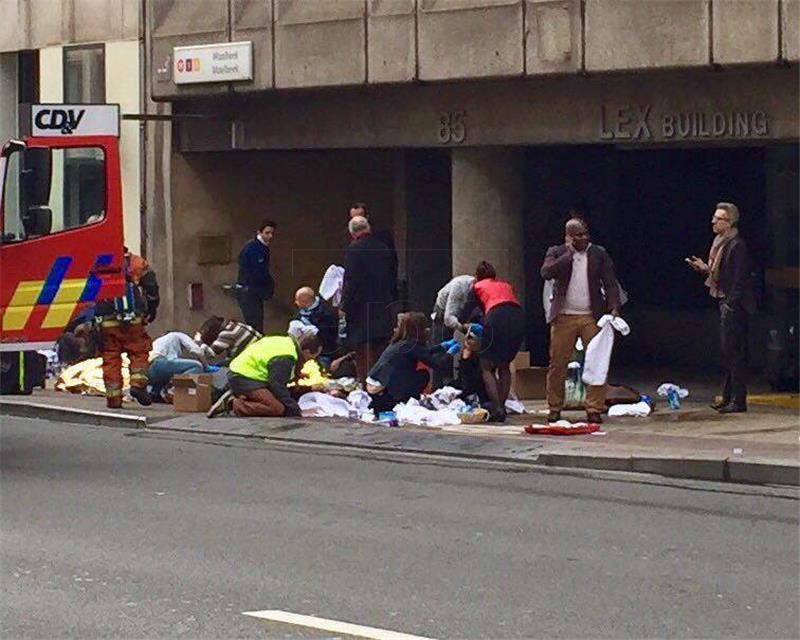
61, 227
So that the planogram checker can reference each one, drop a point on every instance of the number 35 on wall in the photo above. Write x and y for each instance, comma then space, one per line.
453, 127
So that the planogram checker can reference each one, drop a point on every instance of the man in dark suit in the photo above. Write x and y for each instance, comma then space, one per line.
730, 283
254, 284
581, 272
367, 294
382, 234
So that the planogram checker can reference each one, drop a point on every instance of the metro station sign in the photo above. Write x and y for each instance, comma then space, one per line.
223, 62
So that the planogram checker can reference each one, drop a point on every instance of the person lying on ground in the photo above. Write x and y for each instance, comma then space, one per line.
166, 360
312, 310
259, 377
395, 378
225, 339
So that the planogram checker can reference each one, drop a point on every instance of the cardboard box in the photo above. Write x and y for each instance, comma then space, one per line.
530, 383
521, 361
192, 392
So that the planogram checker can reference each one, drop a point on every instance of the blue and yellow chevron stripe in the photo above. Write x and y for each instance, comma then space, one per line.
60, 294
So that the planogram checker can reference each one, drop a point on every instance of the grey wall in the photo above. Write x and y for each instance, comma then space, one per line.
35, 24
315, 43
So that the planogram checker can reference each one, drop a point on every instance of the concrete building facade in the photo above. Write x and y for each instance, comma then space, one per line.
472, 128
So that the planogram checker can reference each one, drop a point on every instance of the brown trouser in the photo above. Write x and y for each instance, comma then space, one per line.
258, 402
564, 332
367, 354
124, 338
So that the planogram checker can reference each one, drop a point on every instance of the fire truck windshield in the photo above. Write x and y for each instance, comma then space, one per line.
47, 191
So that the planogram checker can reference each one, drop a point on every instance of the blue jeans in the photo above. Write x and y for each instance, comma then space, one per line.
161, 371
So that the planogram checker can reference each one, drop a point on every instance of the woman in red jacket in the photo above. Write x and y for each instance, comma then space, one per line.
503, 333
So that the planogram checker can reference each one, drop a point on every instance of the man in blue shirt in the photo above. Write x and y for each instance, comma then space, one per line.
254, 283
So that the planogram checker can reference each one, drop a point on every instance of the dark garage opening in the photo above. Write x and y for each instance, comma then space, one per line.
651, 209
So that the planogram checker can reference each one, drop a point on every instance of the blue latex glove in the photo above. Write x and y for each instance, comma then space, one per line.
212, 368
476, 330
451, 346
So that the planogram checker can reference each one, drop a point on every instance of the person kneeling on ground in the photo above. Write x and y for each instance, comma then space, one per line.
470, 374
259, 377
395, 377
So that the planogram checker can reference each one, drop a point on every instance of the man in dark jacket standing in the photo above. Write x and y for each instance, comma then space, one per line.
367, 294
730, 284
254, 284
581, 272
383, 235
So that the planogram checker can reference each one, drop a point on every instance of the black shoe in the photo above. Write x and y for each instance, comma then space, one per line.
733, 408
716, 406
497, 415
141, 396
222, 406
594, 418
553, 416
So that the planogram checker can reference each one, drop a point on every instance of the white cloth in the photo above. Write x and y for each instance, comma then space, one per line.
412, 412
172, 345
578, 302
331, 286
637, 409
442, 398
513, 405
598, 351
299, 330
665, 388
321, 405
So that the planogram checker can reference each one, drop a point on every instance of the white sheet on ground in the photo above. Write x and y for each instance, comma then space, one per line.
320, 405
412, 412
637, 409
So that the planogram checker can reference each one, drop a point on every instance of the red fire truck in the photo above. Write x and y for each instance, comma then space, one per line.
61, 246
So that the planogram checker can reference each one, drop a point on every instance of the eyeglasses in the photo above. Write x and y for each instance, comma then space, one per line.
718, 219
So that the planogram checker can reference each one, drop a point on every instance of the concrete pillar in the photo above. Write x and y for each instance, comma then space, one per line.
488, 204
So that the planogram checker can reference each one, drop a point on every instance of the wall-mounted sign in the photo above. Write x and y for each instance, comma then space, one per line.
74, 120
644, 122
223, 62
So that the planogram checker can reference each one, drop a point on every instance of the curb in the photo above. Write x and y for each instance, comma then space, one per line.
716, 470
67, 414
689, 468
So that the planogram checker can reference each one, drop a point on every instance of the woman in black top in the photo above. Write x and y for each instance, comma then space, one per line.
395, 377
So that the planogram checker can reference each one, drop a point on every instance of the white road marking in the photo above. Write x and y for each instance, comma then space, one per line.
334, 626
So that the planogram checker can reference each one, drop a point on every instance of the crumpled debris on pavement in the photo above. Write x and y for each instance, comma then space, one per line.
443, 407
321, 405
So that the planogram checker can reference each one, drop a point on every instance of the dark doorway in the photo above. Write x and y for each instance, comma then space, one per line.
650, 209
429, 232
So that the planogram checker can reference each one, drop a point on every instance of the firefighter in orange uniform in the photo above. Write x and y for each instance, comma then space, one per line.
123, 324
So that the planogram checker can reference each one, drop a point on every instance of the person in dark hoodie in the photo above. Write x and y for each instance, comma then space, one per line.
395, 377
312, 310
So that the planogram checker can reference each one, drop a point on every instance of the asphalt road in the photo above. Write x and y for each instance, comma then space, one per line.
107, 533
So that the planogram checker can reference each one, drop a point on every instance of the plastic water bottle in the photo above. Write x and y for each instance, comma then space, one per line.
674, 399
388, 418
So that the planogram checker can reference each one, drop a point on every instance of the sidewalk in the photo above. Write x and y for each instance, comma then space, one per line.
761, 447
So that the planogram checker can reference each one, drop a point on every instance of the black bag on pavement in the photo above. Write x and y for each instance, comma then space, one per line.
21, 371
